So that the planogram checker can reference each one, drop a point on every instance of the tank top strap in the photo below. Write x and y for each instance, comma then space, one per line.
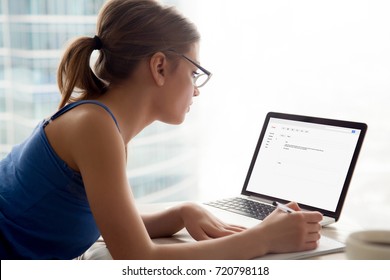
70, 106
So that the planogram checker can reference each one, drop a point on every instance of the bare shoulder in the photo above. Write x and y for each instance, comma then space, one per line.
90, 116
85, 131
95, 133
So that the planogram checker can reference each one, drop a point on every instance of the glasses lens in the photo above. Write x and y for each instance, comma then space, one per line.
201, 80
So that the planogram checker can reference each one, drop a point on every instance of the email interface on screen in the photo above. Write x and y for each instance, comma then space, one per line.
303, 162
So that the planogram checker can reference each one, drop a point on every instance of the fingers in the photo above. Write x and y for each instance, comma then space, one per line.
202, 225
231, 229
222, 229
313, 237
200, 235
293, 205
313, 227
210, 229
310, 246
312, 217
235, 228
216, 228
310, 230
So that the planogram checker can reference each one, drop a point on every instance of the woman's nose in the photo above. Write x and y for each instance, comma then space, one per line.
196, 91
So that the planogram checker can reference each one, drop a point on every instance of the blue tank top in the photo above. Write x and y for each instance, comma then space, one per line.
44, 210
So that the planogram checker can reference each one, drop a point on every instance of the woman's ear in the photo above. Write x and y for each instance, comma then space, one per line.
158, 68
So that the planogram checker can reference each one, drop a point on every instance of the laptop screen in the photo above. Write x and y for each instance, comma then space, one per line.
305, 159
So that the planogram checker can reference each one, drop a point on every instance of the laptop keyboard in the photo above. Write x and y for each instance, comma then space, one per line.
244, 207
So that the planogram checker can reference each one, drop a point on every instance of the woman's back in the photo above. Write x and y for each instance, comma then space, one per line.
44, 211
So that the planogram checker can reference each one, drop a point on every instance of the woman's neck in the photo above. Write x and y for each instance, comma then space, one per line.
132, 107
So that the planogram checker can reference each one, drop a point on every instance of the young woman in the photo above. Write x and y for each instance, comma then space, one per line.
66, 184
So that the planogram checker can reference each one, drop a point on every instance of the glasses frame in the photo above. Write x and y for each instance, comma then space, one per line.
204, 70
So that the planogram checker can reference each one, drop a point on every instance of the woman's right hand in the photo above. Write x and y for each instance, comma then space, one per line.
291, 232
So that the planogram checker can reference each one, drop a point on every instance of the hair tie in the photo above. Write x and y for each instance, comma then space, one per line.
98, 43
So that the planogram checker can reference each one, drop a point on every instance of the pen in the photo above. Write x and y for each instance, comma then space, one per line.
283, 207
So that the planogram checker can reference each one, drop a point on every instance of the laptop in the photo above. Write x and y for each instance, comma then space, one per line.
308, 160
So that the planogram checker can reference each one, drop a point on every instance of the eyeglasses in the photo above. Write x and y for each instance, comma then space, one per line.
200, 79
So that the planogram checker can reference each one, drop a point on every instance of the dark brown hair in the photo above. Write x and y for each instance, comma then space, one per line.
129, 31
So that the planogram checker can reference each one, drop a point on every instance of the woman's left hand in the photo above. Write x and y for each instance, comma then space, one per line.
202, 225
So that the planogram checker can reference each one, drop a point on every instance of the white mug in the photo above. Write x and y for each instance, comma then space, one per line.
368, 245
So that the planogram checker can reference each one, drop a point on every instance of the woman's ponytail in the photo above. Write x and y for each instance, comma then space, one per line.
75, 74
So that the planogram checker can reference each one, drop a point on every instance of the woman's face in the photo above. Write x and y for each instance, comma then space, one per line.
180, 89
